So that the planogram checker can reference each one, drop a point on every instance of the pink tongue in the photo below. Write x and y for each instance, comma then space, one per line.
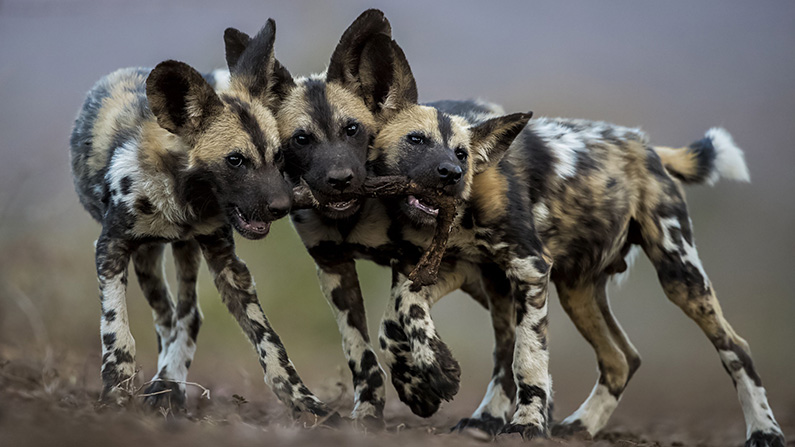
257, 226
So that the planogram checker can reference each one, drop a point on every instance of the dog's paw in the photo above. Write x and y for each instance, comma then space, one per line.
416, 393
573, 430
762, 439
412, 387
164, 394
443, 375
484, 427
370, 423
528, 431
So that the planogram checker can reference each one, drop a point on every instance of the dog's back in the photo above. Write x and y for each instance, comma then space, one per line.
112, 115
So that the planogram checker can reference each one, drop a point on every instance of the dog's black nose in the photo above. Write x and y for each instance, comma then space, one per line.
449, 173
279, 207
340, 178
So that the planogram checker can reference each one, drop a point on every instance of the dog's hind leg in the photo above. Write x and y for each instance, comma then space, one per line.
668, 242
148, 263
496, 407
587, 305
118, 345
178, 327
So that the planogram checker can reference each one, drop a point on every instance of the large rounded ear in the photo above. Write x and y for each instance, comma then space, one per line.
251, 60
181, 99
387, 84
235, 41
344, 64
492, 138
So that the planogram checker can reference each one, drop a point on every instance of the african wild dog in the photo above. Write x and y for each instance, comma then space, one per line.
568, 203
335, 241
326, 124
158, 157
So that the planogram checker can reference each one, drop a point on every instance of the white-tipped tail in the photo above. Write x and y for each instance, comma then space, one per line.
706, 160
219, 79
729, 158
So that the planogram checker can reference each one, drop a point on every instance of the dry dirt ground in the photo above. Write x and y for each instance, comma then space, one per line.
57, 405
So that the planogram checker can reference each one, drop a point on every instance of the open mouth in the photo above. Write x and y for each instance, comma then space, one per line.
422, 206
343, 205
251, 229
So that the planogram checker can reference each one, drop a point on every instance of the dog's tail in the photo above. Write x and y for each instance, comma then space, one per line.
706, 160
219, 79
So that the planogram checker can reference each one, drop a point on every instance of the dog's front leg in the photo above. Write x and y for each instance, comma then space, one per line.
529, 277
234, 282
423, 369
118, 345
340, 285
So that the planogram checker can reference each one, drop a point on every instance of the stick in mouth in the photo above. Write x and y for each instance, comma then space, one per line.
433, 202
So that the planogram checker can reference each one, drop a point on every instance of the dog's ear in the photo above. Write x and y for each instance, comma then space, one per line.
235, 42
388, 85
181, 99
492, 138
251, 60
281, 84
345, 60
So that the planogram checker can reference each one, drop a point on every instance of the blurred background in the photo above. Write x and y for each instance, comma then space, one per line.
673, 68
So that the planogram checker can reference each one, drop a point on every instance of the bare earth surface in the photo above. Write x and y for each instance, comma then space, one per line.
39, 406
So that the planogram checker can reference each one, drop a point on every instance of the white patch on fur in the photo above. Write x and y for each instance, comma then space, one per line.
114, 298
177, 354
565, 149
690, 255
620, 278
540, 212
595, 411
312, 77
353, 344
729, 159
124, 164
753, 399
566, 138
158, 188
254, 313
524, 269
496, 403
221, 79
228, 276
531, 362
422, 353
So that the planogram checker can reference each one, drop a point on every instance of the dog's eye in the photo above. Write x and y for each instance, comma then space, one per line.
415, 138
461, 153
302, 139
351, 129
235, 160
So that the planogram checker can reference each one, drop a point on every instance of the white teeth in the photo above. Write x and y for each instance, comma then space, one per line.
341, 206
416, 203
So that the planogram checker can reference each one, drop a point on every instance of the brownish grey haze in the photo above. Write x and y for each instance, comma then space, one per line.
673, 68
